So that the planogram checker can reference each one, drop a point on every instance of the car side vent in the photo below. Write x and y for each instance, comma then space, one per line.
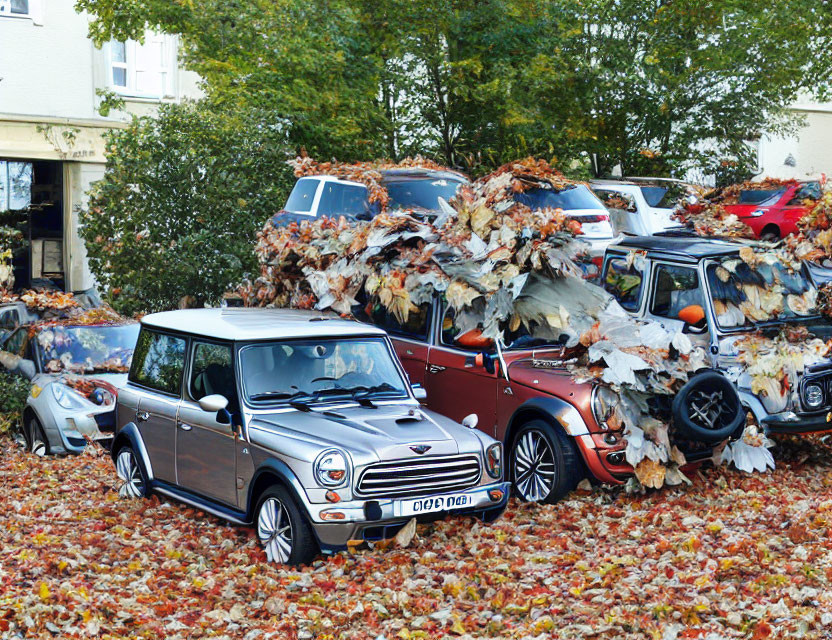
408, 420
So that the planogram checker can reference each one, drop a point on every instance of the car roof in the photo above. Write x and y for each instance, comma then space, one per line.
686, 247
257, 324
419, 172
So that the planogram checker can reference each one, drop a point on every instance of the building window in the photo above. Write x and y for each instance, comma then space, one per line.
16, 8
143, 70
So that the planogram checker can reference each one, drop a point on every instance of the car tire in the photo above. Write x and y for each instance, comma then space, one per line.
130, 471
708, 409
35, 437
282, 529
544, 463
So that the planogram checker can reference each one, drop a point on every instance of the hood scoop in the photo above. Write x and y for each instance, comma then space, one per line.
411, 417
333, 414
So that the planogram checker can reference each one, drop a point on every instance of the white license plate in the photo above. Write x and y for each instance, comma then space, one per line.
435, 503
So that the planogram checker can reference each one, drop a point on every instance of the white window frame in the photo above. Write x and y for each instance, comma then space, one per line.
167, 71
34, 13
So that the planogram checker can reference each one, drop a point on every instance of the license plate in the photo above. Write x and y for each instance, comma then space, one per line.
435, 503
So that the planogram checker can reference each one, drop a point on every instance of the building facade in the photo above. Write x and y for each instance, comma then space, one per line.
51, 134
804, 155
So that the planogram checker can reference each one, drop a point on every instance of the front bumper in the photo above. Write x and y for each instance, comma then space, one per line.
790, 422
386, 518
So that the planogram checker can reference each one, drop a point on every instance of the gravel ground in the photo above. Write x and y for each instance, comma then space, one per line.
732, 556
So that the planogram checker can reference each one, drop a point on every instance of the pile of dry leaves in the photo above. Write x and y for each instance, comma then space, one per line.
507, 273
813, 240
42, 299
739, 556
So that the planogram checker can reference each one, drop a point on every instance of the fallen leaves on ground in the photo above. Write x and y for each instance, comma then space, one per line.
740, 556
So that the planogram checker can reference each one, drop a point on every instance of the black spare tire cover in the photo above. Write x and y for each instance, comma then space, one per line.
707, 408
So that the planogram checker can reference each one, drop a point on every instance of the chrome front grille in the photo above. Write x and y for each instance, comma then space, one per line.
419, 476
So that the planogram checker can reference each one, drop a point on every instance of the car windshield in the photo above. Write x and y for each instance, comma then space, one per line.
765, 294
87, 349
293, 371
572, 198
663, 196
302, 196
760, 196
422, 193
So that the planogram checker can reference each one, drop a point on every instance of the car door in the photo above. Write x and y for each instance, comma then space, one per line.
410, 336
206, 441
156, 374
675, 287
456, 385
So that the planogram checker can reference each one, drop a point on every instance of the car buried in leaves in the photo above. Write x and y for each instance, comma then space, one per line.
555, 430
754, 311
76, 366
303, 425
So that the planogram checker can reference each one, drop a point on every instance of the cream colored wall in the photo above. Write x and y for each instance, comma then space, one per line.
810, 149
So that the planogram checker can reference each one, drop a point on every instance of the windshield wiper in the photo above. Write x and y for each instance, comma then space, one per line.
361, 393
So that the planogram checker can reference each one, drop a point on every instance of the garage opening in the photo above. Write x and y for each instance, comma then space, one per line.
31, 224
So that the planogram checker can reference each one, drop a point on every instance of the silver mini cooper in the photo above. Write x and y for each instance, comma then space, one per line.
303, 425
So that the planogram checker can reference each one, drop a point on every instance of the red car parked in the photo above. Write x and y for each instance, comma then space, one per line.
553, 429
773, 213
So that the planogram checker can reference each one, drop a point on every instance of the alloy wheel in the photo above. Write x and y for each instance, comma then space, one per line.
128, 470
37, 445
274, 528
534, 467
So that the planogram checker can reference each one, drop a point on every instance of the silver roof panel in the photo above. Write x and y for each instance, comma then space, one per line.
257, 324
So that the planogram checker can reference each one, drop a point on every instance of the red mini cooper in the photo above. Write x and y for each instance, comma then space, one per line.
773, 213
554, 430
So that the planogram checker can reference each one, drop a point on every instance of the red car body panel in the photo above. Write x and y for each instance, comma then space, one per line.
780, 215
457, 386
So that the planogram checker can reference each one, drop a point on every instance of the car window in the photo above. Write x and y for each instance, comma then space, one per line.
664, 196
675, 288
9, 319
623, 282
212, 372
759, 196
809, 191
339, 199
616, 199
421, 193
302, 196
158, 361
415, 327
17, 342
569, 199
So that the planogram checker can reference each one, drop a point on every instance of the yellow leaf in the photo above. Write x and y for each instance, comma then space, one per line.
44, 592
63, 564
457, 626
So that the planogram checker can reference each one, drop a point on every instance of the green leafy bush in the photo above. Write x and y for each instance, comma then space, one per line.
13, 393
180, 204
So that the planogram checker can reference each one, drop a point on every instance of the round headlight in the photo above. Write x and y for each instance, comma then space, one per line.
604, 401
813, 395
331, 469
494, 460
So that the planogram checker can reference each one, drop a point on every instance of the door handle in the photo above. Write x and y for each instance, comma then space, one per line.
185, 427
142, 416
435, 368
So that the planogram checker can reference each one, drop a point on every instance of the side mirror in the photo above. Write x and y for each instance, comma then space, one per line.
213, 403
419, 392
694, 318
27, 369
470, 421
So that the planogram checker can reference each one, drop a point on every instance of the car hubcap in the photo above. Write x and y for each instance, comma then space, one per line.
706, 409
38, 445
534, 467
128, 470
275, 530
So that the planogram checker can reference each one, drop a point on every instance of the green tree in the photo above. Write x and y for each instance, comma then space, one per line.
180, 204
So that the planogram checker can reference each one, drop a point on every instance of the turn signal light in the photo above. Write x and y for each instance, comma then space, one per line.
496, 495
333, 515
331, 496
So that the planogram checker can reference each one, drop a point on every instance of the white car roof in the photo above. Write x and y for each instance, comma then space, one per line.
257, 324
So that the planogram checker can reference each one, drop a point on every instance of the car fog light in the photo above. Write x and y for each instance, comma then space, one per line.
611, 438
331, 496
813, 395
333, 515
496, 495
